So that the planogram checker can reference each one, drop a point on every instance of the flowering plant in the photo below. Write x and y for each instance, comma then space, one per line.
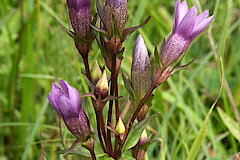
115, 135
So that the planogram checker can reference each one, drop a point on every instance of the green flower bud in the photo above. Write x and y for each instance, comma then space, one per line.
96, 72
101, 90
120, 128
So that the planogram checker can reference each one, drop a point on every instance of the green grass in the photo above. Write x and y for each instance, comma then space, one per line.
34, 51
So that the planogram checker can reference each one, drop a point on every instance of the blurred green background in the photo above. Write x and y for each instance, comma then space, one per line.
34, 51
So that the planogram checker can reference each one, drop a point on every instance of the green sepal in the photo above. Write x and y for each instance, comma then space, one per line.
99, 30
126, 32
178, 68
100, 12
69, 32
116, 30
128, 86
149, 100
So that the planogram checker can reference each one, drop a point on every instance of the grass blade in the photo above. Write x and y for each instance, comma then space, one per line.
202, 132
232, 125
34, 130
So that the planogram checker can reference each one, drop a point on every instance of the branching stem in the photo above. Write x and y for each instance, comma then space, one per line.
141, 104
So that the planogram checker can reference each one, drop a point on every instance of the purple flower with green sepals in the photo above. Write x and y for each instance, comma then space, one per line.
187, 26
66, 101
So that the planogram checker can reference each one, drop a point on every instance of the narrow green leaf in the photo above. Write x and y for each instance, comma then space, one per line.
203, 130
232, 125
34, 130
136, 132
128, 86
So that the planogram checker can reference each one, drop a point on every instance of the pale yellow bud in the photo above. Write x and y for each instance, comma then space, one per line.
144, 137
103, 82
120, 128
102, 86
96, 71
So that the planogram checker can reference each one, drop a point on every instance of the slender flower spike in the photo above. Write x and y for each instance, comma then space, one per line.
140, 73
187, 26
66, 101
80, 16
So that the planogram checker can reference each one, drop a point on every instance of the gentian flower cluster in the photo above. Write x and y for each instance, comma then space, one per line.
147, 73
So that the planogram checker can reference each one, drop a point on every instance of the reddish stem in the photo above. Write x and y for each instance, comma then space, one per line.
99, 121
134, 117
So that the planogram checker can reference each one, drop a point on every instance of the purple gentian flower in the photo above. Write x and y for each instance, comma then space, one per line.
140, 73
118, 10
66, 101
187, 26
80, 16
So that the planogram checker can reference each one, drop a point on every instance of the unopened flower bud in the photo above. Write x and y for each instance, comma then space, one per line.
187, 26
66, 101
118, 10
140, 73
96, 72
101, 90
120, 128
80, 16
143, 138
139, 151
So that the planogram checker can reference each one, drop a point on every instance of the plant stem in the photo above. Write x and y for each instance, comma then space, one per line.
107, 141
99, 117
100, 134
116, 101
91, 150
117, 114
86, 64
141, 104
113, 85
92, 154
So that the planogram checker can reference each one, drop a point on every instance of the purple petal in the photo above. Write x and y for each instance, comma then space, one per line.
72, 94
186, 26
53, 97
53, 104
66, 108
64, 87
78, 4
201, 17
140, 57
56, 92
199, 28
72, 4
180, 11
115, 3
